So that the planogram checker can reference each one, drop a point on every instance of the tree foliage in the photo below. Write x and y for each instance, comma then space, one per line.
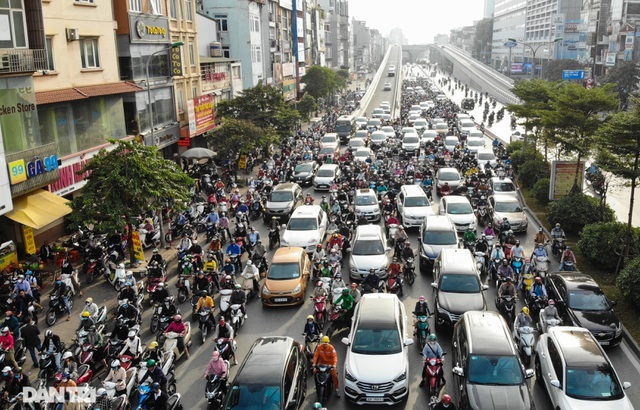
264, 106
629, 282
536, 96
306, 106
234, 137
625, 77
553, 70
600, 243
320, 81
573, 212
126, 182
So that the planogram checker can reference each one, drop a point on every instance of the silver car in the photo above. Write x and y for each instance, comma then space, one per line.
369, 251
506, 206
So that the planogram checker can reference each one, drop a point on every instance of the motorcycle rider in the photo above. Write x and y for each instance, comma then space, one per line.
311, 327
432, 350
224, 330
482, 245
335, 241
177, 326
235, 248
506, 289
550, 311
201, 283
445, 189
118, 375
355, 293
156, 374
217, 367
517, 251
488, 231
497, 253
371, 281
132, 346
522, 319
128, 312
469, 236
251, 271
335, 256
407, 252
541, 237
7, 343
51, 344
337, 282
152, 352
238, 297
325, 354
556, 233
185, 243
346, 302
252, 238
128, 292
539, 251
161, 293
421, 309
259, 252
85, 321
445, 404
567, 256
505, 271
394, 271
205, 302
401, 237
61, 290
308, 200
318, 254
324, 204
320, 290
538, 289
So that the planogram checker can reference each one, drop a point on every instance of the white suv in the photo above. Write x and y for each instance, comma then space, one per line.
306, 228
376, 365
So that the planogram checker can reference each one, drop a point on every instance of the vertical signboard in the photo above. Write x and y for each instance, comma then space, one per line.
138, 254
563, 175
176, 62
203, 111
29, 239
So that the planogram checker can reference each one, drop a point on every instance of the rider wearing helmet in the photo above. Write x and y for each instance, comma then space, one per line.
92, 308
217, 367
238, 297
432, 350
69, 366
551, 312
128, 292
132, 346
541, 237
567, 256
522, 319
470, 236
325, 354
445, 403
155, 373
346, 301
224, 330
85, 321
538, 289
177, 326
153, 352
311, 327
118, 375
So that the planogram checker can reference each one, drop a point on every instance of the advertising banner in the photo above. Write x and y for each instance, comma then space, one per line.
203, 111
563, 174
148, 29
287, 69
138, 254
29, 239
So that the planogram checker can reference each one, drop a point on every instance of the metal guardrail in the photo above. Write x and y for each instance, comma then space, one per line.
22, 60
371, 90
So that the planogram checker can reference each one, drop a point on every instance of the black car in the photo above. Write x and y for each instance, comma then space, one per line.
468, 104
581, 302
273, 375
303, 173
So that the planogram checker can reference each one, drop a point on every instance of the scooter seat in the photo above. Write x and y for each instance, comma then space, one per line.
173, 401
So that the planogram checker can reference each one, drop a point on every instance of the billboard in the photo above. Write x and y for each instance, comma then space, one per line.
201, 116
563, 175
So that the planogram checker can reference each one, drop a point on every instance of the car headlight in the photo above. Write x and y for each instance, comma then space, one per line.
297, 289
349, 377
402, 377
444, 311
265, 291
618, 330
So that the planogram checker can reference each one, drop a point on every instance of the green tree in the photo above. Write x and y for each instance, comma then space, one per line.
575, 117
127, 182
553, 70
264, 106
619, 143
306, 106
342, 78
625, 76
234, 137
319, 81
482, 39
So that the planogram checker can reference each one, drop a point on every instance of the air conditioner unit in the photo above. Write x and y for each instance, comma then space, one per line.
4, 62
73, 34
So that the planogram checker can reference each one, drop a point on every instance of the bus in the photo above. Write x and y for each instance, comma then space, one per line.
345, 127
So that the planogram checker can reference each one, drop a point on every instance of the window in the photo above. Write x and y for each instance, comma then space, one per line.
173, 9
192, 55
49, 45
188, 10
221, 22
254, 23
12, 12
135, 5
155, 6
256, 54
89, 53
179, 98
556, 361
85, 1
226, 52
194, 92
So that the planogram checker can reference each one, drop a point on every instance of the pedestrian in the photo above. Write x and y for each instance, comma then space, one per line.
31, 336
46, 253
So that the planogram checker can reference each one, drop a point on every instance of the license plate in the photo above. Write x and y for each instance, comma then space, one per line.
378, 399
279, 300
604, 343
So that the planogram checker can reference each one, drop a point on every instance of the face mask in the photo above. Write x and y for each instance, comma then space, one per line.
131, 338
58, 282
5, 374
19, 280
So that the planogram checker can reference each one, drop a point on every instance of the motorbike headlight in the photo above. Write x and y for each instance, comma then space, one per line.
265, 291
402, 377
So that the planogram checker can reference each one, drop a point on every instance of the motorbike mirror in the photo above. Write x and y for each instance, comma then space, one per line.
458, 371
408, 342
346, 341
556, 384
626, 385
528, 373
612, 302
434, 285
485, 287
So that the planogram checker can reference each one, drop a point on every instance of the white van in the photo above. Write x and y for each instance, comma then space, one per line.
413, 205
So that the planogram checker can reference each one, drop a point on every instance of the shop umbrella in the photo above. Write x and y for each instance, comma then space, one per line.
198, 153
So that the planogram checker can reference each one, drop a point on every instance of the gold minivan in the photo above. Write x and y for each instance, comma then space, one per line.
286, 280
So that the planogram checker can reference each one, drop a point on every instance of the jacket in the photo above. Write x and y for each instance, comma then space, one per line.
31, 335
325, 354
119, 377
205, 302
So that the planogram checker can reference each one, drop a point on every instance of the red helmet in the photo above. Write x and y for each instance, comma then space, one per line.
446, 399
538, 279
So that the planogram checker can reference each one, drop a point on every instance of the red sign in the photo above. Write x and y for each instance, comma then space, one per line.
203, 112
184, 142
69, 179
210, 75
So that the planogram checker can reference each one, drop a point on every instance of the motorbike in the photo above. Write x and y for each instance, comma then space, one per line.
516, 265
274, 237
422, 331
320, 310
493, 269
204, 318
159, 320
525, 339
223, 347
117, 277
152, 286
225, 298
247, 278
110, 387
173, 402
526, 283
434, 373
338, 319
409, 271
391, 234
169, 342
544, 323
184, 288
569, 266
57, 308
148, 239
310, 345
47, 366
394, 284
237, 317
480, 261
536, 305
91, 269
324, 383
541, 266
214, 391
483, 215
507, 308
558, 247
167, 368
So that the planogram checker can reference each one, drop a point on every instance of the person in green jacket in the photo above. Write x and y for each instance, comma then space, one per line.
346, 301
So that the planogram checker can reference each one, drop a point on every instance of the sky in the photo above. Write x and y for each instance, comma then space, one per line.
420, 20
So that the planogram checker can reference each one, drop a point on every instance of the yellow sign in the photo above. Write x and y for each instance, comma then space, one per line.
29, 239
8, 255
242, 162
17, 171
137, 246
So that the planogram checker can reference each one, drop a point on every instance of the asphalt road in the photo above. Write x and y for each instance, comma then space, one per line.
290, 322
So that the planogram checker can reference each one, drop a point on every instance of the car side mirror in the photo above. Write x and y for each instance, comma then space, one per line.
529, 373
556, 383
408, 342
613, 303
283, 226
346, 341
485, 287
434, 285
626, 385
457, 370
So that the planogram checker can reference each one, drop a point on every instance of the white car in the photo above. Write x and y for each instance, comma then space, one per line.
450, 142
369, 251
410, 144
362, 154
326, 175
378, 138
376, 365
306, 228
459, 210
475, 144
428, 135
502, 186
486, 156
577, 372
408, 130
355, 143
330, 138
361, 122
377, 112
420, 124
389, 131
413, 118
366, 204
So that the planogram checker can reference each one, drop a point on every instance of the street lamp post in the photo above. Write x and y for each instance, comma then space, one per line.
535, 50
151, 124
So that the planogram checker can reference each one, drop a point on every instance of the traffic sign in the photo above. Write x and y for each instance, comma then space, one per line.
574, 74
510, 44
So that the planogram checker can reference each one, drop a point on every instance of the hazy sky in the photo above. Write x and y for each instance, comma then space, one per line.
420, 20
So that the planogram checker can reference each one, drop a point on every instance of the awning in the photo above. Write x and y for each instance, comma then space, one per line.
87, 91
38, 209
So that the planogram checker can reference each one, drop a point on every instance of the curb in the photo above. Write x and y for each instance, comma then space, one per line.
633, 345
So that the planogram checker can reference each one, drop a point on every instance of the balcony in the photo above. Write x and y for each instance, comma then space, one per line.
22, 60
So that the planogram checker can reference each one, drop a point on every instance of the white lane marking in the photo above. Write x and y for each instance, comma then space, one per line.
630, 356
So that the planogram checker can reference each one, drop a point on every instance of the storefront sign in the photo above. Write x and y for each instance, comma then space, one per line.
184, 142
287, 69
137, 246
33, 168
164, 137
148, 29
176, 62
289, 90
19, 171
29, 239
203, 116
70, 180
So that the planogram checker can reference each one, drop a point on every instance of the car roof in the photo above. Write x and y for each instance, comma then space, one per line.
328, 166
378, 308
578, 346
365, 191
500, 179
577, 280
505, 198
448, 170
456, 199
306, 211
287, 185
438, 223
266, 359
287, 254
488, 333
413, 190
368, 231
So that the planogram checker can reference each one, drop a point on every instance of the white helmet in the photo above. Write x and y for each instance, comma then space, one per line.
249, 263
67, 355
115, 363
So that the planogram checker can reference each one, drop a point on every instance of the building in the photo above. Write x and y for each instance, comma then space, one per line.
362, 45
623, 26
396, 36
316, 27
509, 19
441, 39
337, 33
489, 5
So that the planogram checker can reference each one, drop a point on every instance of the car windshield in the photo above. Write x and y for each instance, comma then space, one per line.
441, 126
325, 173
507, 207
375, 122
327, 150
494, 370
459, 209
376, 341
504, 187
588, 300
252, 396
281, 196
363, 153
411, 139
356, 142
449, 176
302, 224
328, 139
283, 271
460, 284
366, 200
475, 143
440, 238
593, 384
304, 168
486, 156
368, 247
414, 201
376, 137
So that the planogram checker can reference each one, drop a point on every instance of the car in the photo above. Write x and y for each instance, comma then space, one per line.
437, 232
428, 135
457, 286
413, 118
369, 251
448, 175
413, 205
378, 138
466, 125
385, 102
355, 143
486, 156
283, 201
459, 210
325, 176
386, 117
502, 186
507, 206
468, 104
366, 204
377, 112
387, 87
475, 144
424, 105
386, 109
389, 131
361, 134
475, 134
442, 128
273, 375
420, 124
329, 149
581, 302
330, 138
376, 365
285, 283
374, 123
362, 154
450, 142
408, 130
576, 371
411, 144
408, 90
361, 122
303, 173
307, 228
